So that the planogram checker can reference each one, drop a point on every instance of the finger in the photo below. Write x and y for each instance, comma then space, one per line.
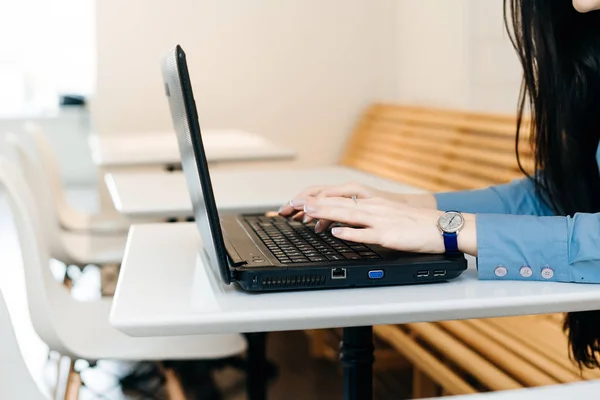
365, 235
346, 190
338, 213
299, 216
369, 205
297, 202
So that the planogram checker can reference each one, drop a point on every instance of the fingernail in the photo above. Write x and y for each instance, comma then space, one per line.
305, 219
280, 209
318, 227
297, 202
309, 209
335, 231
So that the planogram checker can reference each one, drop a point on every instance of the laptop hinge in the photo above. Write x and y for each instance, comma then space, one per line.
234, 258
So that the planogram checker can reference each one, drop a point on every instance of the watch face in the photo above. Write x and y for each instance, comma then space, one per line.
451, 222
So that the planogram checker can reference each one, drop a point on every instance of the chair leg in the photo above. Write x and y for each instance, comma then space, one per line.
423, 386
73, 383
109, 275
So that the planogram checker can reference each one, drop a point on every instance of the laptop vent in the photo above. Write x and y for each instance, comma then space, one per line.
279, 282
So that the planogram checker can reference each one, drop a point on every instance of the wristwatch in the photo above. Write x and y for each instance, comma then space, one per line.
450, 224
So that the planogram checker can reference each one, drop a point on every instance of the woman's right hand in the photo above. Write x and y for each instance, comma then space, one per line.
294, 208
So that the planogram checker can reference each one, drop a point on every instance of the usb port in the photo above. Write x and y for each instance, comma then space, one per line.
439, 272
422, 274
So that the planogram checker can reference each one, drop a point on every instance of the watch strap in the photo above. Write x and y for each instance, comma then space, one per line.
450, 242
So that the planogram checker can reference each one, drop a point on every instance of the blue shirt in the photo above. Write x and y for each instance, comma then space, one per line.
519, 238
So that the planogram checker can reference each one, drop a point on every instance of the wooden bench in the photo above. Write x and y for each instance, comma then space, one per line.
446, 150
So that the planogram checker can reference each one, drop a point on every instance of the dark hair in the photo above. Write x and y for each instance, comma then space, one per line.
559, 49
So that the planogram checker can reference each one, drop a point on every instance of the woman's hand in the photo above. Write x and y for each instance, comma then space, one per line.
294, 208
387, 223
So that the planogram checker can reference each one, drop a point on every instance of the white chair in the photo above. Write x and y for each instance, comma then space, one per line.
81, 330
69, 247
70, 218
17, 382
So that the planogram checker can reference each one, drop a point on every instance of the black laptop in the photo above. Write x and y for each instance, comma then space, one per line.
270, 253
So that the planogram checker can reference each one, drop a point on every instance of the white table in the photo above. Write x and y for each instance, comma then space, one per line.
166, 288
161, 149
579, 390
153, 195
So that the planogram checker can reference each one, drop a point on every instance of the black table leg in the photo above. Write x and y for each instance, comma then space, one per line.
356, 354
257, 366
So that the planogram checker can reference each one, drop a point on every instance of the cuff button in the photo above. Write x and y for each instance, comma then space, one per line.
500, 271
547, 273
526, 272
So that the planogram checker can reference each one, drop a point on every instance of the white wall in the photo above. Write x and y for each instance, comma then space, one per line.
495, 75
456, 54
299, 72
432, 53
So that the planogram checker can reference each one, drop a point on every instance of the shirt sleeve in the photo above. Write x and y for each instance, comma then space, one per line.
526, 247
516, 197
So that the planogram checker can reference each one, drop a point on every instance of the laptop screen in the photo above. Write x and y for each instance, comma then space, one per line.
178, 89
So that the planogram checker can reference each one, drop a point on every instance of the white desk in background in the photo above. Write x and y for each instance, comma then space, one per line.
153, 195
581, 390
165, 288
161, 149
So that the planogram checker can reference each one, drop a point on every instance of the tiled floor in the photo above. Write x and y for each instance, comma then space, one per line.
300, 377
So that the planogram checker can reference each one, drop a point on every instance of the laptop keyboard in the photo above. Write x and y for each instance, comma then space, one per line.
295, 242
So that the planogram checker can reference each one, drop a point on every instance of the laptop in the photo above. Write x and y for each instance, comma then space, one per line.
264, 252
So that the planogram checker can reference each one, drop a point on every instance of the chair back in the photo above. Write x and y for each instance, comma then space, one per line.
50, 168
438, 149
44, 293
17, 382
22, 148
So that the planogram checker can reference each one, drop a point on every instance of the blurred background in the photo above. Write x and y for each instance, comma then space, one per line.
297, 72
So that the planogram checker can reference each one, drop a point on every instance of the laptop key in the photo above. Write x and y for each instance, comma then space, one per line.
317, 258
313, 253
346, 250
367, 253
299, 259
334, 257
352, 256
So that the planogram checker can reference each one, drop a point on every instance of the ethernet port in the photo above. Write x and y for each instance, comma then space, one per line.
338, 273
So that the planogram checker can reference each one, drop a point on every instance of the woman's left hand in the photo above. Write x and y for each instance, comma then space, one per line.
389, 224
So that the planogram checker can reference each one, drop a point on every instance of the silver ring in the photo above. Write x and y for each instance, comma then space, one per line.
355, 201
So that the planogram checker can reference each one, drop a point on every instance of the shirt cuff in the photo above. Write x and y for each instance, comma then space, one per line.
523, 247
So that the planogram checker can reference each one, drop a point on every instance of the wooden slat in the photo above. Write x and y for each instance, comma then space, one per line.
496, 352
423, 176
457, 120
392, 173
488, 173
472, 138
426, 362
504, 124
380, 107
462, 356
558, 370
548, 340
